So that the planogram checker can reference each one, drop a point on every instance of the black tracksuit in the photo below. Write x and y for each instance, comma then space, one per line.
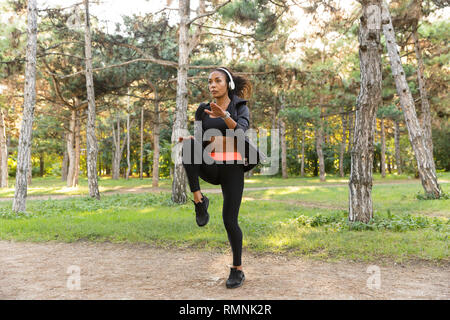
230, 176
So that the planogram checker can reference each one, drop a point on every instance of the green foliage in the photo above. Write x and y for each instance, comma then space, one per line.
431, 196
398, 223
441, 146
242, 11
300, 116
437, 31
254, 14
391, 112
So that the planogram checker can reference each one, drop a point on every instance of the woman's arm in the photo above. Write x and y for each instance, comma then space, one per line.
243, 118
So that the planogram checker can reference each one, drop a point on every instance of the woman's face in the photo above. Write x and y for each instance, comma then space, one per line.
217, 84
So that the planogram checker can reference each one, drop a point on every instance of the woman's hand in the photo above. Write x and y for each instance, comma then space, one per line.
182, 138
215, 111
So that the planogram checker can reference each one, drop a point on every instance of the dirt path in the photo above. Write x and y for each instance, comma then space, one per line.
129, 271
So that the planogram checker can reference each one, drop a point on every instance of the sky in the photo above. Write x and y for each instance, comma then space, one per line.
110, 11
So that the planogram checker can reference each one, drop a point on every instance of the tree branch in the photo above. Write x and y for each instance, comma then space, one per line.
208, 13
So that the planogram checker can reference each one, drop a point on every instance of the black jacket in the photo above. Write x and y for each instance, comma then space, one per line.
240, 113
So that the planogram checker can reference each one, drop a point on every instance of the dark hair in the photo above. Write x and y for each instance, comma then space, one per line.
242, 86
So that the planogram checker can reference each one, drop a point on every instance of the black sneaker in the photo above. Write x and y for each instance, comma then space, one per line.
236, 278
201, 211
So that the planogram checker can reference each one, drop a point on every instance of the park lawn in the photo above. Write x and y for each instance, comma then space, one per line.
55, 186
398, 198
269, 227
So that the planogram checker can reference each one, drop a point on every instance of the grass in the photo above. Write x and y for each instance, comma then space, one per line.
399, 198
268, 226
55, 186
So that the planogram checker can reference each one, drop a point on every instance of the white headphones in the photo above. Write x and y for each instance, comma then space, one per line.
231, 83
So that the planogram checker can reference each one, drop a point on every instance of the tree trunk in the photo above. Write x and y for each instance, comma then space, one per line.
319, 144
302, 166
127, 174
65, 162
156, 133
425, 118
41, 164
24, 147
282, 128
398, 159
3, 153
369, 98
116, 155
383, 149
91, 139
350, 130
141, 168
76, 173
425, 161
389, 167
71, 149
118, 150
342, 146
180, 125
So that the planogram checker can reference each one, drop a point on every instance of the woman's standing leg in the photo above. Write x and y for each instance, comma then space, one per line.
232, 183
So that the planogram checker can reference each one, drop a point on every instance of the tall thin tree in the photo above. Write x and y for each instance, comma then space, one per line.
417, 138
179, 179
3, 153
186, 44
91, 139
24, 148
127, 173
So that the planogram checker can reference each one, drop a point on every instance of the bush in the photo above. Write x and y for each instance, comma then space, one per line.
339, 221
431, 196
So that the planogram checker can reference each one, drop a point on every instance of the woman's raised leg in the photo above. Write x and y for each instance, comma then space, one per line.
195, 166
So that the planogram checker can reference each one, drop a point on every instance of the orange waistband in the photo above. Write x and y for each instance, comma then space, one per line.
225, 156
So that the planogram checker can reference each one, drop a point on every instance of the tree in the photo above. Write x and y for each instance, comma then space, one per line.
185, 46
24, 149
392, 113
3, 152
156, 136
369, 98
381, 115
424, 158
426, 110
91, 139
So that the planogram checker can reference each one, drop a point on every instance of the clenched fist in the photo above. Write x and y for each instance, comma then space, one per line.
182, 138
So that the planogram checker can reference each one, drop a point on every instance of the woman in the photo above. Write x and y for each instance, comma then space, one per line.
229, 111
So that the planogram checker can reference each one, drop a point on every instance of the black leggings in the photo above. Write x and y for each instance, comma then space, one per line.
230, 176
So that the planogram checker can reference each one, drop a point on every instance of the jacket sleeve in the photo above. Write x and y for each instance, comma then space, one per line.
243, 118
